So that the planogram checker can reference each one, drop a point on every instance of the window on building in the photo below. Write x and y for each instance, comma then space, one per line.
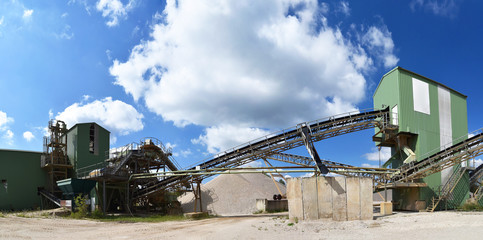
421, 96
394, 119
92, 137
5, 184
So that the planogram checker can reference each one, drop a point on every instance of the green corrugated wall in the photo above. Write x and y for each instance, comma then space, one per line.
78, 145
23, 174
396, 88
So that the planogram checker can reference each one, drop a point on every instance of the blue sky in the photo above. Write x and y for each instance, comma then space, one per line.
204, 76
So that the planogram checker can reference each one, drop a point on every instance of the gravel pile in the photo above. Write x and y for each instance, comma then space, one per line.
233, 194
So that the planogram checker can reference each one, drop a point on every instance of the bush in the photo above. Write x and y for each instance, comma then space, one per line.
97, 214
471, 206
81, 207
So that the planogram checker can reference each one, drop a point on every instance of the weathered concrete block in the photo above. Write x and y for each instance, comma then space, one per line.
386, 208
353, 198
366, 198
309, 196
324, 196
339, 198
294, 196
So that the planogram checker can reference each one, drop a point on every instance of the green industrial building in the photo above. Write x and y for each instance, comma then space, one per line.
430, 117
23, 173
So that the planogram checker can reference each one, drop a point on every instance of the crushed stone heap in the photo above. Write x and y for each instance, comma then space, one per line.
233, 194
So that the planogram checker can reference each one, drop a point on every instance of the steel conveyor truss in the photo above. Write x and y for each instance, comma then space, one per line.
279, 142
456, 154
334, 167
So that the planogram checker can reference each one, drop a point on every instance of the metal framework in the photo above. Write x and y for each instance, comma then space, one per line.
456, 154
146, 157
279, 142
54, 159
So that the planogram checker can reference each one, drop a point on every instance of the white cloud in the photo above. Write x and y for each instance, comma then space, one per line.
254, 164
385, 154
28, 136
1, 20
8, 137
306, 175
114, 9
344, 8
83, 3
44, 131
185, 153
170, 145
116, 116
9, 134
380, 40
182, 153
4, 121
445, 8
478, 162
66, 33
108, 54
217, 63
64, 15
86, 98
27, 13
223, 137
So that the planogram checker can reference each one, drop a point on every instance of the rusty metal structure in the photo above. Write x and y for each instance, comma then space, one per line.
147, 156
54, 159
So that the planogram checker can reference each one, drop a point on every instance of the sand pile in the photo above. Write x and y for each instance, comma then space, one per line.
233, 194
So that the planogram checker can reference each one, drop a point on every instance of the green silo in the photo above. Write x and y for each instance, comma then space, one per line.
431, 117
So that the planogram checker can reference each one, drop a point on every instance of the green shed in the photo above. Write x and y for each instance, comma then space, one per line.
431, 117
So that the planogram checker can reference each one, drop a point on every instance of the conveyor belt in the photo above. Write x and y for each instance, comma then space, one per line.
456, 154
279, 142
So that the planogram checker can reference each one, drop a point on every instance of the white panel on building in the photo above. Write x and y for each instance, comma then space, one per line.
445, 129
394, 119
421, 96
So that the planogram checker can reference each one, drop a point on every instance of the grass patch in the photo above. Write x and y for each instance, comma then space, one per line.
2, 215
471, 206
290, 224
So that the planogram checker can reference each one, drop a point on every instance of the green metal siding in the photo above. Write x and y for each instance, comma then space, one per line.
78, 145
22, 171
459, 120
387, 90
396, 87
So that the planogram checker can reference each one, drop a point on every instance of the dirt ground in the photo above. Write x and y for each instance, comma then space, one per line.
402, 225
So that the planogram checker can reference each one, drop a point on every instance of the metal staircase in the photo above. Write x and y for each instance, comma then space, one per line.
479, 193
476, 176
445, 192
